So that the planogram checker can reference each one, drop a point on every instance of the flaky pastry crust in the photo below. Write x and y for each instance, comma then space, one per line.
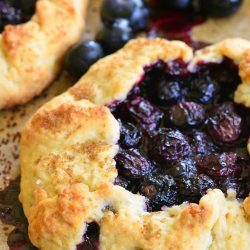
68, 167
31, 53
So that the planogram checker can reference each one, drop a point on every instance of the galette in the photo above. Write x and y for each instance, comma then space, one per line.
35, 34
149, 150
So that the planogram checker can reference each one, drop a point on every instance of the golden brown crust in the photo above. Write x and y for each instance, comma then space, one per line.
67, 165
31, 53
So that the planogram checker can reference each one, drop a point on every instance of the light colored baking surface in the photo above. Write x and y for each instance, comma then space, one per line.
13, 120
215, 30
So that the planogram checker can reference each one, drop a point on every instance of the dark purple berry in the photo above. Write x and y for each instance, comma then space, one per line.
169, 146
81, 56
160, 189
143, 112
131, 164
217, 8
192, 189
185, 114
217, 166
202, 88
224, 125
130, 135
9, 15
90, 238
202, 144
121, 181
139, 18
185, 168
115, 35
168, 92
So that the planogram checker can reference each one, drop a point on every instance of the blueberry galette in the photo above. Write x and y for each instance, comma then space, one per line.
32, 45
147, 151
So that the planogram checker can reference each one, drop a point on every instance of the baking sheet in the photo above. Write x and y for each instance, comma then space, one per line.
13, 120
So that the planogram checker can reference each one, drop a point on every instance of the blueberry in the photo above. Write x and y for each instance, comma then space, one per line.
9, 15
81, 56
185, 114
217, 8
143, 112
130, 135
224, 125
202, 144
177, 4
192, 189
184, 168
169, 146
123, 182
220, 166
168, 91
113, 9
139, 18
90, 238
115, 35
160, 189
202, 88
131, 164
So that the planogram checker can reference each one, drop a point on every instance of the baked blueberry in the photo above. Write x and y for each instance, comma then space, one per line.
168, 92
131, 164
160, 189
169, 146
81, 56
217, 166
130, 135
114, 35
27, 6
202, 88
224, 125
184, 114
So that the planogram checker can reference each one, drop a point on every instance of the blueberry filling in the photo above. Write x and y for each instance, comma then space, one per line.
15, 12
182, 134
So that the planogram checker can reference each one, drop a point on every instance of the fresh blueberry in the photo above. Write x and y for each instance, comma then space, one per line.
81, 56
217, 8
113, 9
177, 4
9, 15
139, 18
115, 35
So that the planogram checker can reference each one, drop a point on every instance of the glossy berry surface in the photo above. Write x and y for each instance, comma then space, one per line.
186, 114
114, 35
81, 56
160, 189
15, 12
182, 134
169, 146
217, 8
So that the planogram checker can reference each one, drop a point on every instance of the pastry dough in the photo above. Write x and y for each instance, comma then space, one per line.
31, 53
68, 170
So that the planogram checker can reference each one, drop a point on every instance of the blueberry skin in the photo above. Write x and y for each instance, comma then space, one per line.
217, 8
115, 35
113, 9
81, 56
177, 4
139, 18
27, 6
